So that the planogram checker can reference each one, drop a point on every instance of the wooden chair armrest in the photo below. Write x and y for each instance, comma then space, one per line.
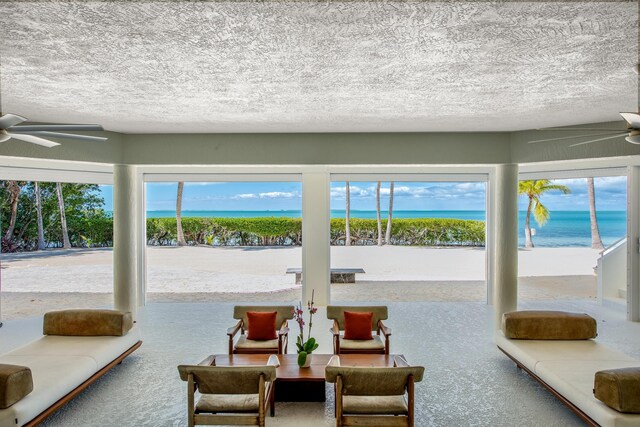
400, 362
335, 329
273, 361
334, 361
386, 331
284, 329
209, 361
234, 329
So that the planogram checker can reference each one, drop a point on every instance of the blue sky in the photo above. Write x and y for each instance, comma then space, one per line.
610, 195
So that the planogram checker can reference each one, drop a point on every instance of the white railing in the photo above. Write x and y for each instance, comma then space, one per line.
612, 272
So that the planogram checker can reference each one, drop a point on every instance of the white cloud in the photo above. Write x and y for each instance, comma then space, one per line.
278, 195
355, 192
245, 196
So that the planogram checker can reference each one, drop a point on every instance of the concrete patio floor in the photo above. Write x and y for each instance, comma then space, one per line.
467, 380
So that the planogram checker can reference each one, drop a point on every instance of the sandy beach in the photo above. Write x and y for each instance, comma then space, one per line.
33, 283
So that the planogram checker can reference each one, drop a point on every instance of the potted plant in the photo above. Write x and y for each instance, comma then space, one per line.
305, 348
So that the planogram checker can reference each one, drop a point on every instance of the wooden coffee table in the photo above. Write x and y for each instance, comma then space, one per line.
296, 384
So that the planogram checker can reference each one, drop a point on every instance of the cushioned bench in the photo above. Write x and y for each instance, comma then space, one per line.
567, 368
63, 365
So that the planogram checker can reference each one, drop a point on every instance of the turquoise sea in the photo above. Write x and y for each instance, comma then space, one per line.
565, 228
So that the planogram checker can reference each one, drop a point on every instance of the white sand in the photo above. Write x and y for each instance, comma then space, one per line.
262, 269
37, 282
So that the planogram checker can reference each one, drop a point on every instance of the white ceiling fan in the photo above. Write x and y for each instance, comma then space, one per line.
631, 133
9, 128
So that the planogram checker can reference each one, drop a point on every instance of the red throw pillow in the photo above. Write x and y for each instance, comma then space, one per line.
261, 325
357, 326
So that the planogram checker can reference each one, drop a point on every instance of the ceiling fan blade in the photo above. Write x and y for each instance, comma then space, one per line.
69, 136
9, 120
601, 139
566, 137
54, 128
33, 139
632, 118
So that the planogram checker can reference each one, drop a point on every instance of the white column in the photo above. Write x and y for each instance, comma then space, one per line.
505, 241
633, 250
488, 236
126, 198
316, 224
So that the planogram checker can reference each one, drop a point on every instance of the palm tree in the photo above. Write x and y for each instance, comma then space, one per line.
347, 216
378, 214
14, 188
181, 240
66, 244
596, 241
41, 243
534, 189
387, 236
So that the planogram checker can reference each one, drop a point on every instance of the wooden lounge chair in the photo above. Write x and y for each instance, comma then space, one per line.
374, 396
238, 395
376, 345
244, 345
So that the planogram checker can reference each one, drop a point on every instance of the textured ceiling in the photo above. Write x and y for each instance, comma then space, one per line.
309, 66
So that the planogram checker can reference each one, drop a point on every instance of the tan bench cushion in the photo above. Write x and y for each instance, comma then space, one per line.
619, 389
384, 405
15, 383
548, 325
373, 344
87, 323
228, 403
243, 342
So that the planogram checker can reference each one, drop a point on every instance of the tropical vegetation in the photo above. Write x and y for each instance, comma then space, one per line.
52, 215
279, 231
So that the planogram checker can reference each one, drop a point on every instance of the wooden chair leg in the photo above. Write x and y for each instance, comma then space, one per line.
410, 401
191, 391
338, 401
261, 401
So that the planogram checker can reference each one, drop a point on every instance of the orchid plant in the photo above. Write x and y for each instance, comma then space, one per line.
305, 348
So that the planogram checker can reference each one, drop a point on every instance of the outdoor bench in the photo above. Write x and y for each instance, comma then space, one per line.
567, 366
338, 275
77, 348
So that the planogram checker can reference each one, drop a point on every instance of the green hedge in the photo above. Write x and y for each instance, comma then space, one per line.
288, 231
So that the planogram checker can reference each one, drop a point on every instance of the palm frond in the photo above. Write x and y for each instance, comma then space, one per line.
540, 213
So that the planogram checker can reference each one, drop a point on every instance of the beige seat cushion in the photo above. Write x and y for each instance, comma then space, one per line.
374, 344
548, 325
385, 405
87, 322
228, 403
243, 342
619, 389
15, 383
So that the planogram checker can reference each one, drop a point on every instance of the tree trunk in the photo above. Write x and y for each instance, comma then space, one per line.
528, 242
596, 241
41, 243
66, 244
387, 236
181, 241
378, 214
347, 216
14, 198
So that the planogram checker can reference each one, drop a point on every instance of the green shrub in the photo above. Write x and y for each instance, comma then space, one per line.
288, 231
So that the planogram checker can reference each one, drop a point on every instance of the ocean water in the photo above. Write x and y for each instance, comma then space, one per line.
564, 228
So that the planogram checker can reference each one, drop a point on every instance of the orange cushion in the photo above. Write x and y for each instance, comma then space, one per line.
262, 325
357, 326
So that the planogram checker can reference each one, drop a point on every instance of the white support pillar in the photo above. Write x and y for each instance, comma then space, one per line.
316, 239
633, 249
504, 246
126, 198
